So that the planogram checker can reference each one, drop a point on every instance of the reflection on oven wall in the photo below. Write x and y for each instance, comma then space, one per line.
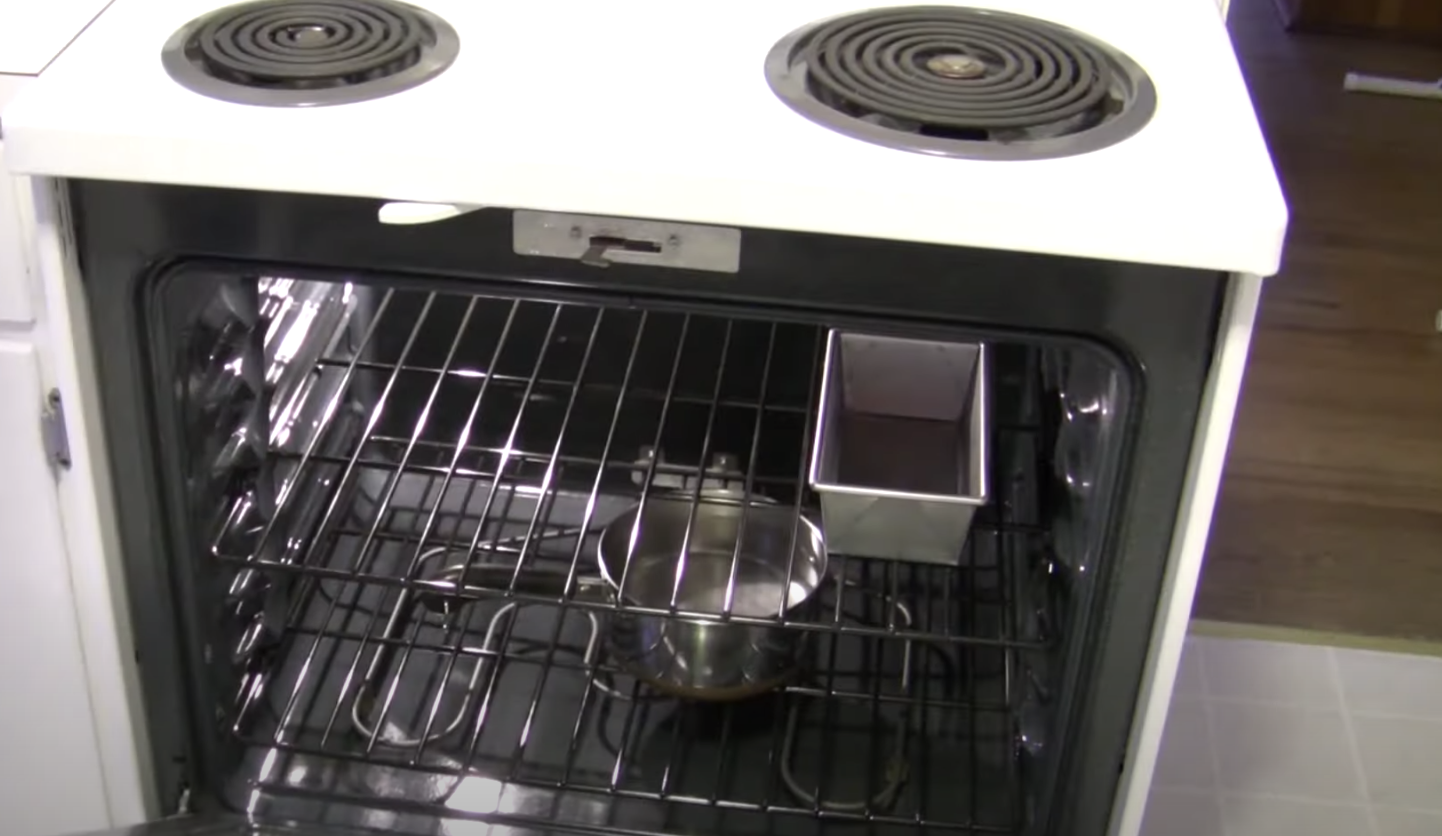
406, 430
252, 378
1087, 397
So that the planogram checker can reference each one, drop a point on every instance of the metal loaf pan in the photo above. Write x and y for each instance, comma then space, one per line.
900, 456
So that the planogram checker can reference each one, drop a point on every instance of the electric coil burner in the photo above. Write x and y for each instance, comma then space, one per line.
318, 52
962, 82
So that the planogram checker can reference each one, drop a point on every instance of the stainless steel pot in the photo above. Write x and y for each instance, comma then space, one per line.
709, 557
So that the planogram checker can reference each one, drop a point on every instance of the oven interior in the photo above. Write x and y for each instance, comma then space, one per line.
340, 443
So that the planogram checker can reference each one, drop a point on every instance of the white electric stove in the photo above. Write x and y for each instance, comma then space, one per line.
1081, 188
658, 109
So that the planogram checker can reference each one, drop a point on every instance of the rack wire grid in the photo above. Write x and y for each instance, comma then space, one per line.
506, 430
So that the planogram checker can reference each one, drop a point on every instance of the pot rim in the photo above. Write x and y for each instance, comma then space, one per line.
804, 528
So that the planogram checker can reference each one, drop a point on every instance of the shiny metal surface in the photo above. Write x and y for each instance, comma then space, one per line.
710, 555
438, 46
716, 557
1088, 399
549, 712
896, 768
444, 646
598, 241
900, 455
1132, 93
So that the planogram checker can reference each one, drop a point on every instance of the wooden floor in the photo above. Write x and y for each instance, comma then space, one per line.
1331, 510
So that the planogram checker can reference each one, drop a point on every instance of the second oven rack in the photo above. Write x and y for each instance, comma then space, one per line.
507, 431
480, 426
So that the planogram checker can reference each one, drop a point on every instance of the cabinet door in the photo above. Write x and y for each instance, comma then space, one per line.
14, 276
15, 302
50, 758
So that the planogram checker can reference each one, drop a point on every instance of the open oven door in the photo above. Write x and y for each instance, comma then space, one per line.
222, 824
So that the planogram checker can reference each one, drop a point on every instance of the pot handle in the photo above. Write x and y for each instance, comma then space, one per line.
498, 577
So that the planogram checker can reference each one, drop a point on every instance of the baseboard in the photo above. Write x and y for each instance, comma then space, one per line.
1294, 635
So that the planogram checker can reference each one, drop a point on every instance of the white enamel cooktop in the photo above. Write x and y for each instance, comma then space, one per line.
661, 110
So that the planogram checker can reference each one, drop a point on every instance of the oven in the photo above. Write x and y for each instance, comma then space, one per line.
366, 475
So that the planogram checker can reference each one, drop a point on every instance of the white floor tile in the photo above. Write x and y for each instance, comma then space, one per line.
1391, 683
1185, 759
1254, 816
1402, 759
1407, 823
1181, 813
1294, 674
1283, 750
1189, 673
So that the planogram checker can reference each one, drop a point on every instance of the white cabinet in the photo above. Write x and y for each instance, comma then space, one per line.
49, 759
15, 275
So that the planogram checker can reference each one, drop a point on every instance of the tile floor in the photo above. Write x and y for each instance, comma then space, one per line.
1273, 739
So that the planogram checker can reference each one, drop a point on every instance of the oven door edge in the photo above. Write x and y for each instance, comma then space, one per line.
1189, 542
221, 825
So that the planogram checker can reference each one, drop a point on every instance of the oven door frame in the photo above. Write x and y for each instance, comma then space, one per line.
222, 824
1163, 320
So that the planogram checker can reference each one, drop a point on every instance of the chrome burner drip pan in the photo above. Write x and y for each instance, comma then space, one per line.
960, 82
315, 52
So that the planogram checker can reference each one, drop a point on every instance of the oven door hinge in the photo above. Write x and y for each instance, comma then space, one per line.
54, 434
182, 807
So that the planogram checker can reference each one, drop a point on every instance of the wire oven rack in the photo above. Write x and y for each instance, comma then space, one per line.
508, 430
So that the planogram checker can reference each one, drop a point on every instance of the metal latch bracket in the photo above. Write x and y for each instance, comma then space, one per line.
598, 241
53, 430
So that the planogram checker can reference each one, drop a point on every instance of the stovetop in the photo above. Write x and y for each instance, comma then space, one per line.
655, 109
